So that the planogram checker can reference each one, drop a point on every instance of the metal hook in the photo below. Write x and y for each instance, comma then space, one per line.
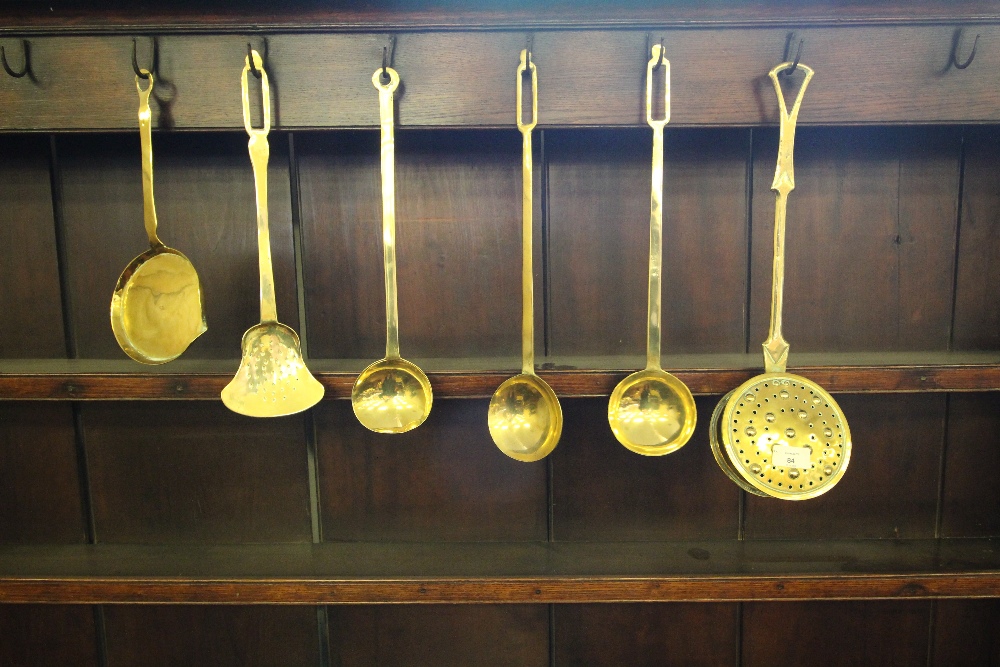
7, 67
253, 65
135, 63
798, 53
388, 56
663, 53
528, 43
954, 50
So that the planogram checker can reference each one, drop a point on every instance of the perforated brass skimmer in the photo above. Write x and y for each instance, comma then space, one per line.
272, 380
782, 433
651, 412
156, 309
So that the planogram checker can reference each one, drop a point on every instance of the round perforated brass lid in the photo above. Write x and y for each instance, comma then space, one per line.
720, 456
786, 436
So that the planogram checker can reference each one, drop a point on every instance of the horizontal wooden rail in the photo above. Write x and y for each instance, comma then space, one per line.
53, 379
496, 572
465, 78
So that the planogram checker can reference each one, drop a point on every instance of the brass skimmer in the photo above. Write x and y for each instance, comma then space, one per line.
156, 309
651, 412
272, 380
392, 395
782, 433
525, 418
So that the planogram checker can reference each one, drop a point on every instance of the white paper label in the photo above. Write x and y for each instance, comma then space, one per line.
786, 456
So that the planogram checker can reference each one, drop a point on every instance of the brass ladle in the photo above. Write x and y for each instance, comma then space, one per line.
651, 412
156, 308
525, 418
392, 395
783, 433
272, 380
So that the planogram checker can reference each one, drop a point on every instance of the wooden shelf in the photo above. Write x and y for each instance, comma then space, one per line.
96, 379
500, 572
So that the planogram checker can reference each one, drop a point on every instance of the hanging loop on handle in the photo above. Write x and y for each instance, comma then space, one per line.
776, 347
254, 61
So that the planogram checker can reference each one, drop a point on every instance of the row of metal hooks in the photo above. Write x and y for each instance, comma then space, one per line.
389, 51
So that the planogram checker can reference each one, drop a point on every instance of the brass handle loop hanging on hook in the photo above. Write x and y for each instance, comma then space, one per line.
788, 51
649, 46
957, 42
6, 65
140, 72
250, 59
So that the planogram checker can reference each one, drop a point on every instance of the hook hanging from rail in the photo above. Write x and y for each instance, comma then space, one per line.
6, 65
788, 51
649, 46
956, 42
529, 42
388, 57
253, 67
139, 72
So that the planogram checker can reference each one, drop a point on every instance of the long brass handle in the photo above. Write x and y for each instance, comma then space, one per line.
527, 230
776, 347
656, 207
388, 156
259, 153
146, 141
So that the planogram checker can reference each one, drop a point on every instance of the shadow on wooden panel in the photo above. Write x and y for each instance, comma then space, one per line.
870, 238
39, 485
438, 635
42, 635
965, 633
32, 325
599, 194
688, 634
971, 492
205, 635
458, 209
604, 492
977, 300
835, 633
890, 487
206, 209
445, 480
195, 472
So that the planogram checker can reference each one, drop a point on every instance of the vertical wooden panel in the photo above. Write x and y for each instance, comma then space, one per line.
443, 481
965, 633
688, 634
29, 269
870, 240
39, 489
602, 491
205, 205
599, 190
971, 492
47, 635
206, 635
458, 213
835, 633
433, 635
890, 487
977, 300
195, 472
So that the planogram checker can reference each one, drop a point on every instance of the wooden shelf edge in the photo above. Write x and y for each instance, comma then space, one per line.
541, 590
207, 385
531, 572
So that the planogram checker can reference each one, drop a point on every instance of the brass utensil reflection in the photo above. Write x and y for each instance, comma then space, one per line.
272, 380
783, 433
525, 418
156, 309
392, 395
651, 412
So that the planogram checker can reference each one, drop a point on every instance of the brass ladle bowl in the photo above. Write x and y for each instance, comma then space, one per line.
392, 395
651, 412
525, 418
156, 308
